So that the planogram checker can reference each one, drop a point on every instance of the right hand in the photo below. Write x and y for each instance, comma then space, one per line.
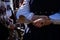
43, 22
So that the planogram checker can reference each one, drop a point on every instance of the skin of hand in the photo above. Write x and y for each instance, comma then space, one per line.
40, 21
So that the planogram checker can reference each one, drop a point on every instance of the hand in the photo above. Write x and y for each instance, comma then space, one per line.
42, 21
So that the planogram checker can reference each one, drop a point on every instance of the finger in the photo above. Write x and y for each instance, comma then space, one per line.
38, 24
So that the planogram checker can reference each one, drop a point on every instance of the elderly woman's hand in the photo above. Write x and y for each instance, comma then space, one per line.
42, 21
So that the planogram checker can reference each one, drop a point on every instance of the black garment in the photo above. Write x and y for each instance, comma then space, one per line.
45, 5
4, 32
50, 32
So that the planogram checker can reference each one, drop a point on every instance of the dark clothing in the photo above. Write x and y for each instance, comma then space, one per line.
45, 5
50, 32
4, 33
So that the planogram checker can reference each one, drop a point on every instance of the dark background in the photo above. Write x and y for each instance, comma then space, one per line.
45, 5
